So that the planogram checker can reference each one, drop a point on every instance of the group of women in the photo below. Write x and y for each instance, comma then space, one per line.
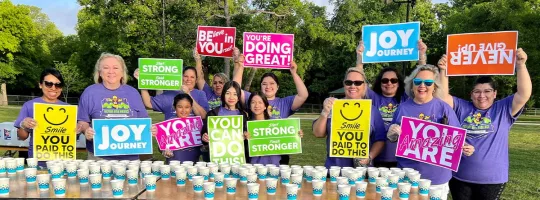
424, 94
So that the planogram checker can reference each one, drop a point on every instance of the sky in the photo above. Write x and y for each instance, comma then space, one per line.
64, 12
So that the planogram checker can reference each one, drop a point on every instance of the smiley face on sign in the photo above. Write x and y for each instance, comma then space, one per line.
350, 111
57, 116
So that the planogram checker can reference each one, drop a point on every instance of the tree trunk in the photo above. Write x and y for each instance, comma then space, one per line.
228, 24
3, 95
247, 85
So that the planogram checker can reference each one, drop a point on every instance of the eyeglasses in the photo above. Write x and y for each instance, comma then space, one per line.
479, 92
386, 80
427, 82
356, 83
50, 84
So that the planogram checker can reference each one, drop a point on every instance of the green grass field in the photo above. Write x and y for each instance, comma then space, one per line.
524, 153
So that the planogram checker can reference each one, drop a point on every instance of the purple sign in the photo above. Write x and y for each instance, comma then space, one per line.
179, 133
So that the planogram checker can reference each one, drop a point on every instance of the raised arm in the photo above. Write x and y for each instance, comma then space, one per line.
359, 51
238, 71
524, 84
319, 126
422, 49
198, 110
444, 82
147, 100
198, 67
301, 89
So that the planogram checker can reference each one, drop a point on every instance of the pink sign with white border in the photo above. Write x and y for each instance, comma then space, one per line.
179, 133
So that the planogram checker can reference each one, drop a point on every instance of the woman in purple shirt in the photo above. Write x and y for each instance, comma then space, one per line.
109, 98
50, 83
387, 94
258, 110
424, 89
488, 122
280, 108
230, 105
182, 104
354, 89
163, 102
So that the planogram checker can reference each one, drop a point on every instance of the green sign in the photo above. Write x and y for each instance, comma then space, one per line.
160, 74
226, 135
274, 137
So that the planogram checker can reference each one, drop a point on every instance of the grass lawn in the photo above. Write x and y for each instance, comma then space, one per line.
524, 154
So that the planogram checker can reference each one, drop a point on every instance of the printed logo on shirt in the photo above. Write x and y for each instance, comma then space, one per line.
477, 126
115, 107
387, 112
425, 117
274, 112
214, 103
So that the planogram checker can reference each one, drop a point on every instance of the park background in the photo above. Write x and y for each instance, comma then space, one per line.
325, 42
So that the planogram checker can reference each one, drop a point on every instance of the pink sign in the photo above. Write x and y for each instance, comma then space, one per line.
432, 143
216, 41
268, 50
179, 133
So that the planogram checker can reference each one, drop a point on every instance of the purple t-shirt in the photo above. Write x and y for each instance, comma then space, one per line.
164, 102
386, 107
281, 107
378, 133
433, 111
214, 100
487, 131
98, 102
27, 110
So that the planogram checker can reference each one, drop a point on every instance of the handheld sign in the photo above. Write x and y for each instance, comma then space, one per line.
492, 53
274, 137
54, 136
391, 42
226, 134
216, 41
268, 50
351, 126
431, 143
179, 133
160, 74
130, 136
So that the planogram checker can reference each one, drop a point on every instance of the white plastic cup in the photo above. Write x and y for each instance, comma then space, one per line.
285, 176
344, 191
150, 183
308, 174
117, 187
252, 178
95, 181
83, 176
393, 180
423, 187
191, 172
146, 170
209, 190
59, 186
132, 177
317, 175
334, 173
32, 162
106, 171
353, 177
297, 179
271, 186
219, 178
262, 171
373, 174
57, 171
318, 186
231, 185
380, 182
11, 166
204, 172
94, 169
165, 172
43, 181
253, 191
273, 172
181, 176
4, 186
20, 164
226, 170
292, 191
297, 170
361, 187
404, 190
414, 179
435, 193
387, 193
342, 181
71, 170
30, 174
198, 184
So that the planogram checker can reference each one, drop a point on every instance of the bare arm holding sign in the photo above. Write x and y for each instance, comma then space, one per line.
144, 93
524, 84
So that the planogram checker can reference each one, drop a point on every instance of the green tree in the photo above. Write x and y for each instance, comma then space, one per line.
72, 78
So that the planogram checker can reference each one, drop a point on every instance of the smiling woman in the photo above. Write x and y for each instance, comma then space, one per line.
50, 83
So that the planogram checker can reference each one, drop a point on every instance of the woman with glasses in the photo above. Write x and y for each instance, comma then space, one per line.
50, 83
387, 94
488, 122
355, 88
425, 91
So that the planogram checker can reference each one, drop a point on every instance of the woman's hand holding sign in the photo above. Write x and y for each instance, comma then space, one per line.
89, 133
153, 130
468, 149
205, 137
28, 123
393, 132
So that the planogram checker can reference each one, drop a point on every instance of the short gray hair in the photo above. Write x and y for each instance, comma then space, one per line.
97, 68
361, 72
437, 92
223, 77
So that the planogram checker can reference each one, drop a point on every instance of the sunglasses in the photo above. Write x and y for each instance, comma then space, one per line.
386, 80
50, 84
356, 83
427, 82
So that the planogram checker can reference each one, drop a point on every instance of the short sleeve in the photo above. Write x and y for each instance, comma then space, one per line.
202, 100
84, 108
372, 94
246, 96
451, 115
207, 91
23, 114
506, 104
459, 104
141, 110
288, 102
377, 126
159, 102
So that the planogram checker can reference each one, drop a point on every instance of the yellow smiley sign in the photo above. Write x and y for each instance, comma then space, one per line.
54, 136
351, 125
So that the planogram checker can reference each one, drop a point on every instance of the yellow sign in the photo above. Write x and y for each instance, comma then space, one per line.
54, 136
351, 123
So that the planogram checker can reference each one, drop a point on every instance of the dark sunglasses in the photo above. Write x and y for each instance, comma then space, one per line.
427, 82
386, 80
356, 83
50, 84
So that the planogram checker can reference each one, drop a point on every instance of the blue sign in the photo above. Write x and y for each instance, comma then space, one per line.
391, 42
122, 136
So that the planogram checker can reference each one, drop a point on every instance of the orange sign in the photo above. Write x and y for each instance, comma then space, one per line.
490, 53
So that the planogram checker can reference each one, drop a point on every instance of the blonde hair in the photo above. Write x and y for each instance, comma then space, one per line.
223, 77
437, 92
97, 68
361, 72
